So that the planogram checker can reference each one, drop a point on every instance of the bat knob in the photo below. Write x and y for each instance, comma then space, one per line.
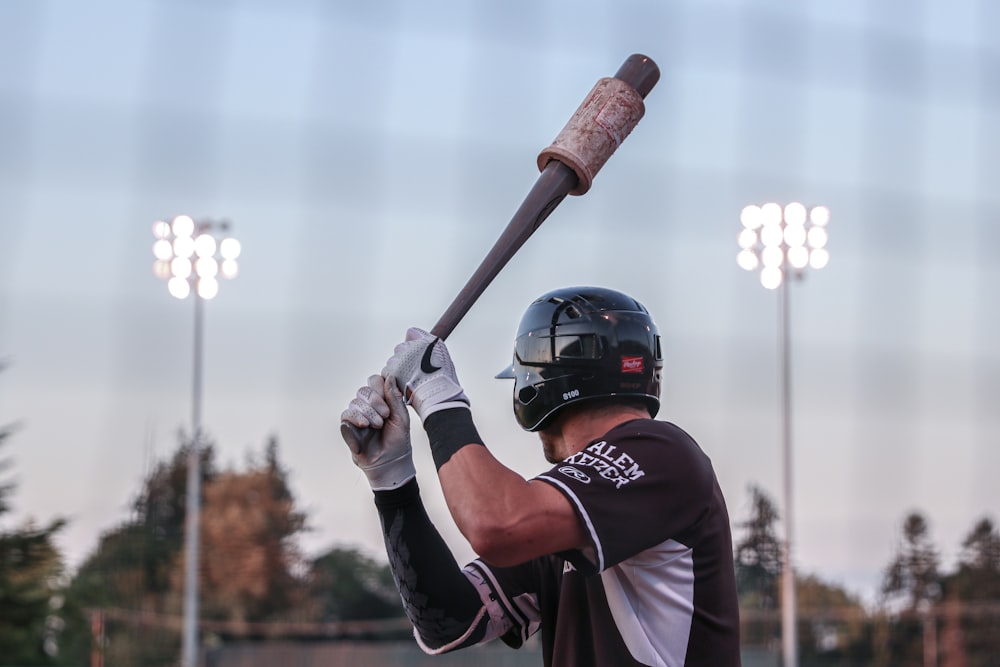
356, 438
640, 72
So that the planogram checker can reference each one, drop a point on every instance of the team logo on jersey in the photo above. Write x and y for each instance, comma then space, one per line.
578, 475
631, 364
607, 461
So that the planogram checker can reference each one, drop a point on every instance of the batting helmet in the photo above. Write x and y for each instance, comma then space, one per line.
578, 343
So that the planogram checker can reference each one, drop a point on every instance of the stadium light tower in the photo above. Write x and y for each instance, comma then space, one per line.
783, 241
190, 258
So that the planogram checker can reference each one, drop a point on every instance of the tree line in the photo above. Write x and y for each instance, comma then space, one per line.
925, 614
124, 602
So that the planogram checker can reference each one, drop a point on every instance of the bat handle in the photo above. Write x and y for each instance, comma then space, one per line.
551, 187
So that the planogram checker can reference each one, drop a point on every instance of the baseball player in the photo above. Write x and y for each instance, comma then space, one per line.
620, 554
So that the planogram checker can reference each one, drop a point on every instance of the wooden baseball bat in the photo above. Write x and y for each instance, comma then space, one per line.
568, 166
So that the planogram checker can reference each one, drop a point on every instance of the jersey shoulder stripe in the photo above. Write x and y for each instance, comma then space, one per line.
598, 561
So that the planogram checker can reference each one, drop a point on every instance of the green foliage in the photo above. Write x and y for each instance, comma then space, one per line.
159, 513
972, 596
757, 557
133, 572
959, 611
251, 570
832, 624
980, 559
30, 567
345, 585
913, 577
137, 558
834, 628
758, 554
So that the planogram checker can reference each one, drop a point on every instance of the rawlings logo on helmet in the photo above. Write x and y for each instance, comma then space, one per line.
632, 365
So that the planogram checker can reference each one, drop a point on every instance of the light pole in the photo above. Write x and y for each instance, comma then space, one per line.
783, 242
190, 257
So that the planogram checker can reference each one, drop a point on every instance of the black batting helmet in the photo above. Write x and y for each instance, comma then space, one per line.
578, 343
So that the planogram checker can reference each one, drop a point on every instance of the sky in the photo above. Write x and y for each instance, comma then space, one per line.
367, 155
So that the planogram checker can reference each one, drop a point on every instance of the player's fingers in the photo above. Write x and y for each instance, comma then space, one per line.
362, 415
374, 395
368, 407
415, 333
394, 396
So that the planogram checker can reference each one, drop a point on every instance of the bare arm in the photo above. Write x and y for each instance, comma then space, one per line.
507, 519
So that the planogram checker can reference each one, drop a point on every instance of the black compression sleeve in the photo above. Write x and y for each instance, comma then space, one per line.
440, 602
448, 431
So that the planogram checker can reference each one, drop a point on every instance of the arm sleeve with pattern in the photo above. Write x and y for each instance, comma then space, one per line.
449, 608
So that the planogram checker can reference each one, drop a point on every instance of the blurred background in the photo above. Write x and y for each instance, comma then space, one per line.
367, 154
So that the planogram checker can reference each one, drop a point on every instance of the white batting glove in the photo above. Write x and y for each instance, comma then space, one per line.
386, 456
423, 369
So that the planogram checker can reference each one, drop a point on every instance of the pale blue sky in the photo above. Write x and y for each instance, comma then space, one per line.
368, 154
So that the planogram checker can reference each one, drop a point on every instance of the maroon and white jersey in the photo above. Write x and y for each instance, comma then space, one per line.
656, 586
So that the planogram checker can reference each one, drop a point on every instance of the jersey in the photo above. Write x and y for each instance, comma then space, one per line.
655, 586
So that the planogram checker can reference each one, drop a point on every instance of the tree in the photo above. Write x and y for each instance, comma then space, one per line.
30, 567
981, 549
758, 554
249, 569
345, 585
973, 596
757, 557
833, 624
911, 585
913, 577
249, 556
130, 573
160, 511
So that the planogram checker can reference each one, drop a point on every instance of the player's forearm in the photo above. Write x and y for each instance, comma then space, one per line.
440, 601
506, 519
479, 489
487, 500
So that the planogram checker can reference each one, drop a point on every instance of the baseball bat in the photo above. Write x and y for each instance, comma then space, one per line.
568, 166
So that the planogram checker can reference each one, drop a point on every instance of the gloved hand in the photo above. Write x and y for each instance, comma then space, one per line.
424, 371
386, 457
